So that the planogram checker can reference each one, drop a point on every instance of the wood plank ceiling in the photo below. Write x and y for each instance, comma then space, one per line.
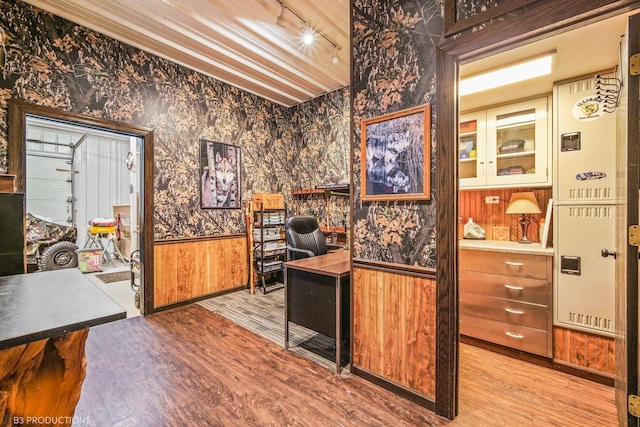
255, 45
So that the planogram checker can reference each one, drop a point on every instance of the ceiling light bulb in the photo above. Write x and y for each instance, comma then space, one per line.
308, 37
335, 58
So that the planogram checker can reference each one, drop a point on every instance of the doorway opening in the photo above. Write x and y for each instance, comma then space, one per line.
516, 306
87, 178
17, 165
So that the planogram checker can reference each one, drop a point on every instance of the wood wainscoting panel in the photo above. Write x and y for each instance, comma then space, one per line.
394, 328
583, 349
185, 270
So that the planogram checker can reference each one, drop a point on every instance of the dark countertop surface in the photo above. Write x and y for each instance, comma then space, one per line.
50, 304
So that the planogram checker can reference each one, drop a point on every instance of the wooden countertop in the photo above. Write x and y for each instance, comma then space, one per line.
500, 246
49, 304
334, 264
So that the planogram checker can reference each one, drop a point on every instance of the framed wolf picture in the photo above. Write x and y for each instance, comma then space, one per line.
219, 175
396, 155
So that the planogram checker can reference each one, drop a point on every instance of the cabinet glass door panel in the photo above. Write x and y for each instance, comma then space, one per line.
472, 149
517, 139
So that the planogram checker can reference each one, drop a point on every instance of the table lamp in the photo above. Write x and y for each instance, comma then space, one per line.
523, 203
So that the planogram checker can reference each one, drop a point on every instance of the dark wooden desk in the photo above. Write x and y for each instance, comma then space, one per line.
317, 296
44, 323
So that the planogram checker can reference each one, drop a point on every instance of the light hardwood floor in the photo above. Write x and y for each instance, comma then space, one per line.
192, 367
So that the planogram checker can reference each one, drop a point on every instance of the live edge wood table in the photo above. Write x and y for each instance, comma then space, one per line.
317, 296
44, 321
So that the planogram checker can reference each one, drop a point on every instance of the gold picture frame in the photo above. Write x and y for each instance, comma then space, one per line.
395, 159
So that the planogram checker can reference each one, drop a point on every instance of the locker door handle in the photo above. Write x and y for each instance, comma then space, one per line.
605, 253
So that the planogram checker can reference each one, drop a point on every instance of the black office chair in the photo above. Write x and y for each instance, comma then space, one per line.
304, 237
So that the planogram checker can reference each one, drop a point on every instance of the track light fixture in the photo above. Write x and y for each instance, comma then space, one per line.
281, 19
335, 58
309, 31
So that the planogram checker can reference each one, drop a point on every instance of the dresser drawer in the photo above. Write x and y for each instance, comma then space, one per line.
514, 336
503, 310
536, 291
506, 263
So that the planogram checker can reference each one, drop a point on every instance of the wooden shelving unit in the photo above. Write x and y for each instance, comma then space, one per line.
269, 245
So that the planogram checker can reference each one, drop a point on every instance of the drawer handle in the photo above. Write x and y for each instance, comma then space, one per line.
514, 264
514, 335
513, 311
514, 287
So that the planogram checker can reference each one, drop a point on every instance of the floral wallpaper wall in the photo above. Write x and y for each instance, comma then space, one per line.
394, 67
323, 156
56, 63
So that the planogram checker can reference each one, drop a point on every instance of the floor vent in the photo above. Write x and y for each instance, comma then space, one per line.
589, 321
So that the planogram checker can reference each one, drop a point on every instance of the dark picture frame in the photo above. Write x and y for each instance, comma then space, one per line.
395, 159
219, 175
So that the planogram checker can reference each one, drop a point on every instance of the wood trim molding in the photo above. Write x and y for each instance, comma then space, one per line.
453, 26
198, 298
631, 314
546, 18
391, 267
198, 239
447, 241
16, 134
393, 387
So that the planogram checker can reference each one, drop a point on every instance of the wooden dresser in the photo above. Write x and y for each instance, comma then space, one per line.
506, 294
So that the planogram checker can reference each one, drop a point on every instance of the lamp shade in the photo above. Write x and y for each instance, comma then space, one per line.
523, 203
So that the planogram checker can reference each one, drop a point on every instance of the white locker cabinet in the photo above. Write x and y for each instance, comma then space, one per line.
584, 289
585, 145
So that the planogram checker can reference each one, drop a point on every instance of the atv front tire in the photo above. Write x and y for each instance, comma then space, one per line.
58, 256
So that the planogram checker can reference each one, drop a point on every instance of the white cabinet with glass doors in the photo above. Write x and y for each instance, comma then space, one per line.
506, 146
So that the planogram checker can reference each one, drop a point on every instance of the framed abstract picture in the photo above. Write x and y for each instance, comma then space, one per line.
219, 175
396, 155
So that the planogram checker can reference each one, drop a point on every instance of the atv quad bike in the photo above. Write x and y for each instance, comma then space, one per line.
50, 246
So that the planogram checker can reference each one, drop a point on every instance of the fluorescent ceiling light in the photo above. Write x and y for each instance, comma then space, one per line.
540, 66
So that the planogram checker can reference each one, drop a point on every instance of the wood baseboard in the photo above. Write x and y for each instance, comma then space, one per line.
196, 299
393, 387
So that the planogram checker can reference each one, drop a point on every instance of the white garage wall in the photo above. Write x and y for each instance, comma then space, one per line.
102, 179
